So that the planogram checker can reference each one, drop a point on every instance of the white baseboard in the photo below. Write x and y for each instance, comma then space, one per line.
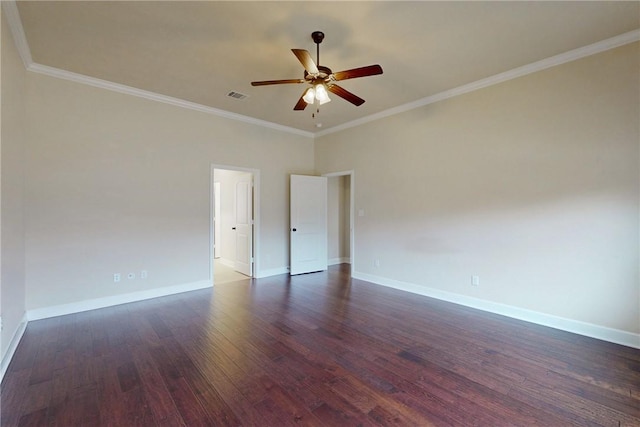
272, 272
342, 260
13, 345
92, 304
575, 326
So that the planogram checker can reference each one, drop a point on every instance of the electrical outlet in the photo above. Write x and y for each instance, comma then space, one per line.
143, 274
116, 277
376, 263
475, 280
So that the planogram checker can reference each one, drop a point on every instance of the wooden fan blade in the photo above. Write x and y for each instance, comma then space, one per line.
345, 94
301, 105
276, 82
305, 59
370, 70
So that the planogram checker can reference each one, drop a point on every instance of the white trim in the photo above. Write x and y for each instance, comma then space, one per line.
128, 90
10, 9
575, 326
337, 174
572, 55
272, 272
13, 345
92, 304
339, 260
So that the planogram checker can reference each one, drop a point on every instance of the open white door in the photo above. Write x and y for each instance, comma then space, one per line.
308, 224
244, 226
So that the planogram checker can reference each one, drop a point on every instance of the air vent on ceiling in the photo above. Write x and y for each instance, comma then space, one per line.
237, 95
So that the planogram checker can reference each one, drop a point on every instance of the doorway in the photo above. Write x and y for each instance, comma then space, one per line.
340, 218
234, 225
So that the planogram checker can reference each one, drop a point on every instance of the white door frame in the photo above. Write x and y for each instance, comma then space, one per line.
256, 216
352, 228
217, 230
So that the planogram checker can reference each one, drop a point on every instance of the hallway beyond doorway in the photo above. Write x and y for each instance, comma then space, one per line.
223, 273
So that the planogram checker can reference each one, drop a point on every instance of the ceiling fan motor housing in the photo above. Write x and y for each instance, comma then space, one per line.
317, 37
323, 75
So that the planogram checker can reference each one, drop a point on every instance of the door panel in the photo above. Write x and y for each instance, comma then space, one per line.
308, 232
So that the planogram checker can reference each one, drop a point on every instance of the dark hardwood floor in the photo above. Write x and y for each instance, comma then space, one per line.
317, 349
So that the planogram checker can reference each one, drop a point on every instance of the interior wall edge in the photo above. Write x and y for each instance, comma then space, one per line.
603, 333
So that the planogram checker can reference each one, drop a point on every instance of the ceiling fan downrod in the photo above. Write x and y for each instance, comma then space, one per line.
317, 37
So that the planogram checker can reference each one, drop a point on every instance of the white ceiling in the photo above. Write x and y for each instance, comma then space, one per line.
200, 51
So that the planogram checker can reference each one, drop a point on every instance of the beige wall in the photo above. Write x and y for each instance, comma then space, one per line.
532, 184
117, 183
12, 141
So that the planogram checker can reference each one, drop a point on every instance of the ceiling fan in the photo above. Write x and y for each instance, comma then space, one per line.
322, 79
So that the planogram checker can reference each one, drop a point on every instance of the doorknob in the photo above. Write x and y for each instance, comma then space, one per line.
293, 229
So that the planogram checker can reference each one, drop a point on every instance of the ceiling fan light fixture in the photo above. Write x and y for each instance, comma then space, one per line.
321, 94
309, 96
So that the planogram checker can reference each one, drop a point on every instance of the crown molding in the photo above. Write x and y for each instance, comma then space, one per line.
128, 90
10, 10
572, 55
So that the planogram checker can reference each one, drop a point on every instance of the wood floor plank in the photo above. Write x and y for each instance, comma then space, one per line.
34, 419
113, 410
17, 383
158, 397
316, 349
213, 404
